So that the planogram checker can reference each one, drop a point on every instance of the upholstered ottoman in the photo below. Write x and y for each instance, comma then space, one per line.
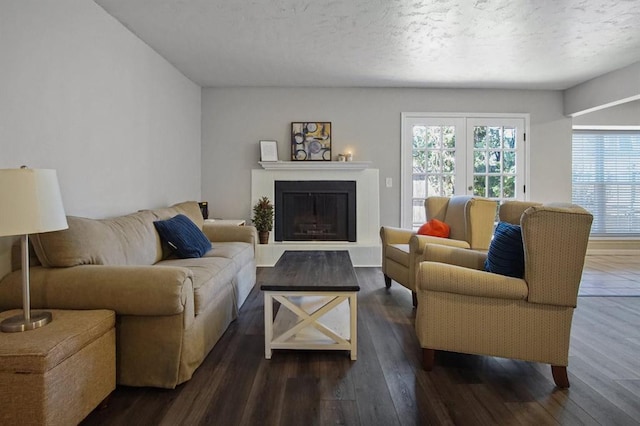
57, 374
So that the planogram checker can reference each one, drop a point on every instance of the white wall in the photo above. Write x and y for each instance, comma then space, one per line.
610, 89
367, 122
81, 94
627, 114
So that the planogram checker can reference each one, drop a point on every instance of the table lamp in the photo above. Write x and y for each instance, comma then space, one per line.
30, 203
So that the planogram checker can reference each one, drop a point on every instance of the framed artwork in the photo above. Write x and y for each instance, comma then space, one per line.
268, 151
311, 141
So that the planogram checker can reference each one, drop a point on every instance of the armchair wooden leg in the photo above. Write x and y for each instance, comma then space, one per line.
560, 376
387, 281
428, 357
414, 298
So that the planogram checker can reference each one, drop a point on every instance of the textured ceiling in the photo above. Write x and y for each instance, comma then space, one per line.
532, 44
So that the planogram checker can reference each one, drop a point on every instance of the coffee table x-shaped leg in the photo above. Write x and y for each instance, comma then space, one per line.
319, 320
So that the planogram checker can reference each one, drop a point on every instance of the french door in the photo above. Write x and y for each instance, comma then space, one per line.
447, 154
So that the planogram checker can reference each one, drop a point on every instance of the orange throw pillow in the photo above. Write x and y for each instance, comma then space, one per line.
435, 228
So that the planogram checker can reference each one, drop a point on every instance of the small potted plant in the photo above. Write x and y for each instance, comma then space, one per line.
263, 218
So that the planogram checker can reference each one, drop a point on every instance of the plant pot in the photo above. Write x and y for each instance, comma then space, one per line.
263, 236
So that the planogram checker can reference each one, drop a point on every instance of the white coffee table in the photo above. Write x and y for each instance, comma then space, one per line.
317, 292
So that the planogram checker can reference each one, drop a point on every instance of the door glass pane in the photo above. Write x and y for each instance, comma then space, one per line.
419, 162
419, 186
479, 162
509, 137
479, 137
449, 137
494, 161
508, 187
448, 183
509, 162
493, 190
480, 186
448, 161
434, 137
419, 137
433, 185
418, 212
433, 162
495, 137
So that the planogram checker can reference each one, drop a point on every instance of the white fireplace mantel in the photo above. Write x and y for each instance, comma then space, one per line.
315, 165
366, 250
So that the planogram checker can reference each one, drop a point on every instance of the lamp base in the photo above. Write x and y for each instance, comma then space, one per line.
18, 323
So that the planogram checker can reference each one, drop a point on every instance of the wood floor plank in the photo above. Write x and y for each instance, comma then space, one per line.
398, 374
430, 402
624, 399
457, 396
598, 407
387, 386
496, 407
336, 382
540, 385
266, 397
396, 313
339, 412
530, 413
374, 402
301, 402
236, 382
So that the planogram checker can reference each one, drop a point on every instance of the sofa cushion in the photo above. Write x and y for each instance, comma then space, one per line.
506, 252
183, 236
209, 274
124, 240
240, 253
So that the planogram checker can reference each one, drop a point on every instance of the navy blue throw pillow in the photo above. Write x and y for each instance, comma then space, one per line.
183, 236
506, 255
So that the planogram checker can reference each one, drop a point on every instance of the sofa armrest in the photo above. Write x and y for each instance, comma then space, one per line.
391, 235
418, 242
466, 258
418, 245
441, 277
127, 290
228, 233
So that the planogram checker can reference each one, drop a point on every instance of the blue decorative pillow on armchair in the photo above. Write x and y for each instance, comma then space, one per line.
183, 236
506, 254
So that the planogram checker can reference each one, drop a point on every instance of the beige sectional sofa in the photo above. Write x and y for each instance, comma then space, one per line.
170, 312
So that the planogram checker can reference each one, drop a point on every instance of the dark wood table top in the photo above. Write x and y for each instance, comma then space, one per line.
310, 270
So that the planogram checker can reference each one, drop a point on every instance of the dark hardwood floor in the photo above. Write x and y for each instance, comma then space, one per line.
386, 385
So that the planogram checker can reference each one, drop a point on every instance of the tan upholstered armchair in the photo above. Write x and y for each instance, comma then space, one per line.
471, 222
462, 308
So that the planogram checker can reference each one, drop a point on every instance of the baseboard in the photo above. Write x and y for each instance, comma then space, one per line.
613, 247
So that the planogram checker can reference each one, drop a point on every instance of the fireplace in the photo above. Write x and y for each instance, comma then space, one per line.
315, 210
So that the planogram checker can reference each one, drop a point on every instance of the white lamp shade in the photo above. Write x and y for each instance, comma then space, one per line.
30, 202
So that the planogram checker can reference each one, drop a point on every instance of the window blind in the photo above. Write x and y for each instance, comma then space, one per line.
606, 179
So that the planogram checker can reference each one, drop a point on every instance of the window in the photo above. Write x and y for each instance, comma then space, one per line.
606, 179
447, 154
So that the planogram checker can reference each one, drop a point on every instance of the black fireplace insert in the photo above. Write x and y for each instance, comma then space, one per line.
315, 210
